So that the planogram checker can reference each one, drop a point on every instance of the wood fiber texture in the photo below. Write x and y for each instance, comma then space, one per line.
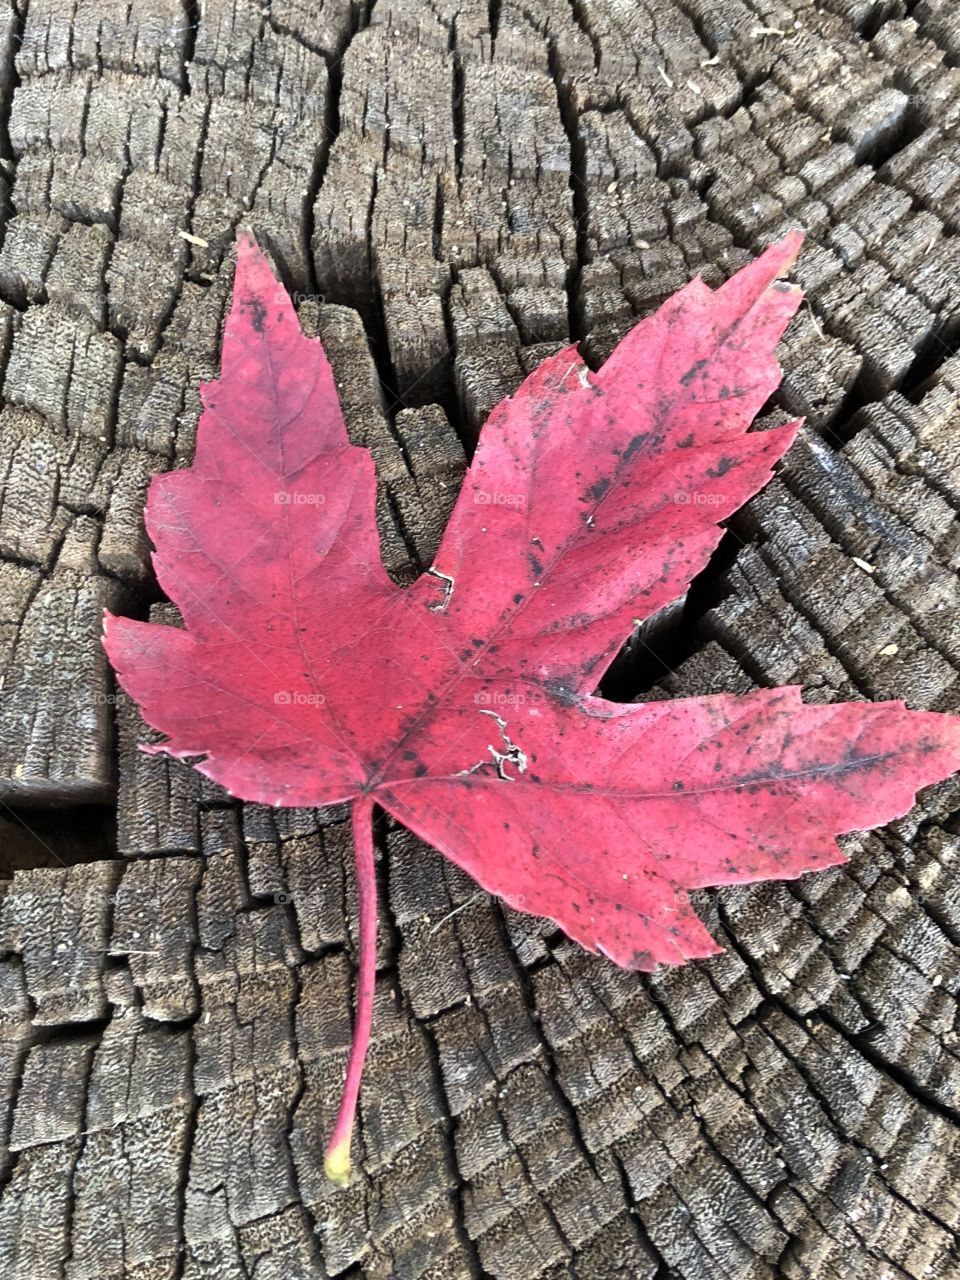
452, 191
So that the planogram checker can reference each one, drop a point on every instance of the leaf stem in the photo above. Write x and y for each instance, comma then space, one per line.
337, 1158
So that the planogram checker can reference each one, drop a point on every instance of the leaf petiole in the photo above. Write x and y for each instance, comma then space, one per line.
336, 1161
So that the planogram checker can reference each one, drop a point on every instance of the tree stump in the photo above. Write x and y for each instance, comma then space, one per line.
450, 191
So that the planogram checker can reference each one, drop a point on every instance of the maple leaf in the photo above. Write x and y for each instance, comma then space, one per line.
465, 705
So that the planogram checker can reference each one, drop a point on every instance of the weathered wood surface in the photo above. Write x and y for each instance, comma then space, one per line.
451, 189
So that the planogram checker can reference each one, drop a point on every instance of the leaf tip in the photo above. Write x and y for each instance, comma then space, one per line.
784, 252
108, 635
790, 430
250, 257
246, 240
336, 1162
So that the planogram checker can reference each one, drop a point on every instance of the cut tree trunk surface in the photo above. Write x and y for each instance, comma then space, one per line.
451, 189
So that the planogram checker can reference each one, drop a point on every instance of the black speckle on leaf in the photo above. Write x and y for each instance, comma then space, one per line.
258, 314
692, 372
635, 445
561, 691
721, 468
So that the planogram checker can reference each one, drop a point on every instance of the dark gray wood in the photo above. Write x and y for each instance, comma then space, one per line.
452, 191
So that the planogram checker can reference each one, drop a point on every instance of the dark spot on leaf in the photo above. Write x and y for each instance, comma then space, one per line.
409, 755
721, 468
692, 372
635, 445
599, 488
562, 692
420, 770
518, 597
258, 314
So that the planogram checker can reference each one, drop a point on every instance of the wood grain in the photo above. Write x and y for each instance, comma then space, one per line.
452, 190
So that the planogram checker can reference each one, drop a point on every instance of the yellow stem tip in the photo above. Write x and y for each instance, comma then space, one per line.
336, 1163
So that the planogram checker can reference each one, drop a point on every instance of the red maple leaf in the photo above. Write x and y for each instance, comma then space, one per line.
465, 705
